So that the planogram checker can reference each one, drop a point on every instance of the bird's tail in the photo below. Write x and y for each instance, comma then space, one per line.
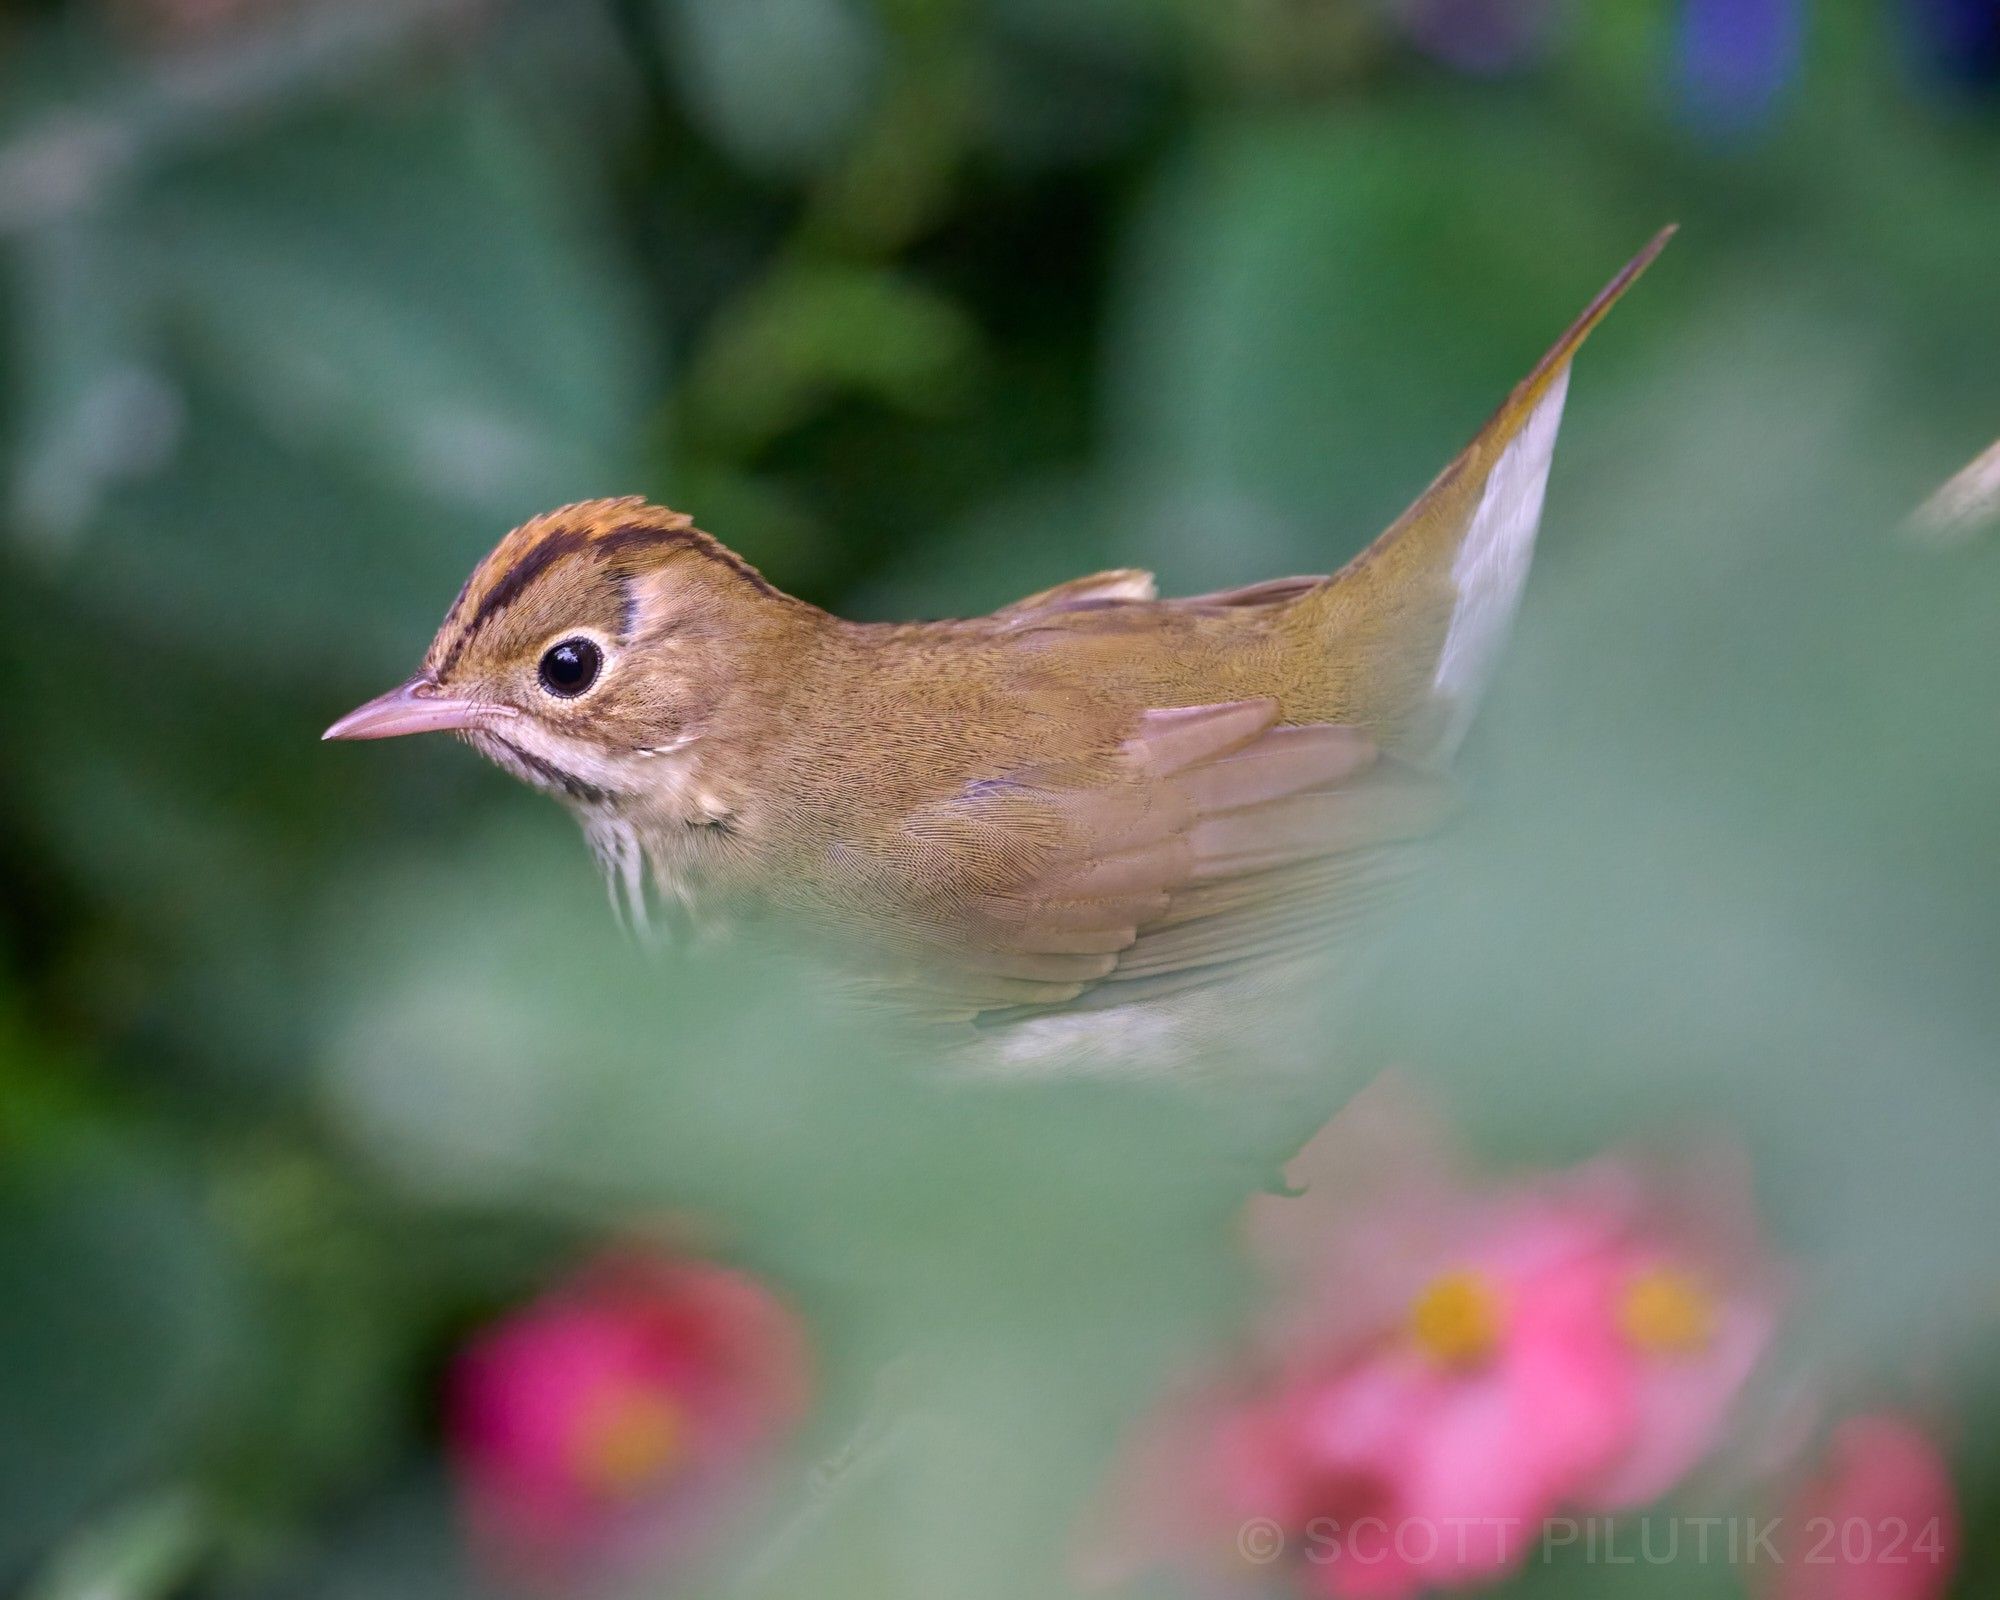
1422, 613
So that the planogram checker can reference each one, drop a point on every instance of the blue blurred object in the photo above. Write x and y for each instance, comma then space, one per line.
1959, 40
1736, 58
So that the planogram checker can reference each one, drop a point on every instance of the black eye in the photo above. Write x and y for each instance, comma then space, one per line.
571, 667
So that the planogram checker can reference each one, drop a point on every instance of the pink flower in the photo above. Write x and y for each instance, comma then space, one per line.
620, 1417
1445, 1364
1879, 1522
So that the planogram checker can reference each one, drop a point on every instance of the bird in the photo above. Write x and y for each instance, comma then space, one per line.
1061, 828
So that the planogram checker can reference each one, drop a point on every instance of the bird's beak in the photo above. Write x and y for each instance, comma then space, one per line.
419, 706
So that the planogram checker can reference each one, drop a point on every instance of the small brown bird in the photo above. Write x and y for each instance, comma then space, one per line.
1066, 817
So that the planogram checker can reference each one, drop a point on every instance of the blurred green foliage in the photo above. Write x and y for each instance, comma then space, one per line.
310, 1058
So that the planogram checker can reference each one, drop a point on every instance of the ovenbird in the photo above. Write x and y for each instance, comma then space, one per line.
1085, 806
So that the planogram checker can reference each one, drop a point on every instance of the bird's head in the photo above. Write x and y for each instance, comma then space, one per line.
593, 640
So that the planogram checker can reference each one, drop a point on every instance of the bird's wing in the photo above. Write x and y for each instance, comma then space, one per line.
1271, 592
1211, 838
1116, 587
1127, 590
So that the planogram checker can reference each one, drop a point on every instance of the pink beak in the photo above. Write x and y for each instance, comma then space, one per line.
418, 706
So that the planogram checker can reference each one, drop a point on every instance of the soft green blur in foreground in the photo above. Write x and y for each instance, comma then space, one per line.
313, 1058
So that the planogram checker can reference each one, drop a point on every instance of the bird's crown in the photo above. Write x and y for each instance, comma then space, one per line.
579, 565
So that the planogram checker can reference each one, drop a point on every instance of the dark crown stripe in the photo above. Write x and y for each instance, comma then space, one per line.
562, 542
533, 563
638, 534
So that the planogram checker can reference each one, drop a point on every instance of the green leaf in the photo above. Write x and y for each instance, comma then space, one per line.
394, 331
92, 408
1318, 311
780, 84
142, 1551
116, 1311
814, 330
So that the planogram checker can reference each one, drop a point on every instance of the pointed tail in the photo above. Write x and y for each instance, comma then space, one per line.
1420, 616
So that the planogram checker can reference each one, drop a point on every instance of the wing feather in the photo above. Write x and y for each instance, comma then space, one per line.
1211, 839
1099, 588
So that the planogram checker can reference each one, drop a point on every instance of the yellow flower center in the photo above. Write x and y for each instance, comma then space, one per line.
1666, 1312
628, 1440
1456, 1321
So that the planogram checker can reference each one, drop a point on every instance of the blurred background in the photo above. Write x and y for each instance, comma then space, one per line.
336, 1118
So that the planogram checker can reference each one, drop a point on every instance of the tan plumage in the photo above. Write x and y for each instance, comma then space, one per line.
1089, 797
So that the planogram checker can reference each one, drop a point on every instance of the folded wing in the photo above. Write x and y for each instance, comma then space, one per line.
1212, 839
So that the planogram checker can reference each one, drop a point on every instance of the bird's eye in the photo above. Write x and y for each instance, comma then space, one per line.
571, 667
